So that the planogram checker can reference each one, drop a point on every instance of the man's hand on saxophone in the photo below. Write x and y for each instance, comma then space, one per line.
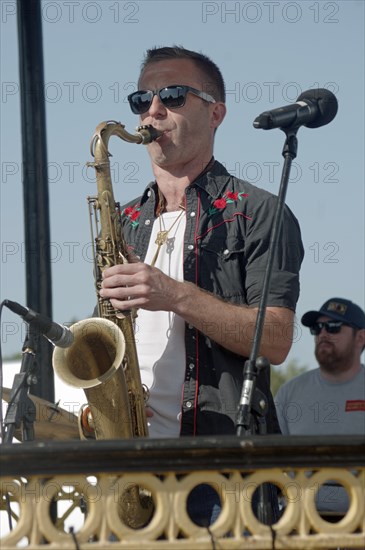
138, 285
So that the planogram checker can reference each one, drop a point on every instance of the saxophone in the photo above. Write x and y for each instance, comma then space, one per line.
102, 359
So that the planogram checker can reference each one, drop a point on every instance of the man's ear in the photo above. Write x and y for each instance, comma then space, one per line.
360, 336
218, 113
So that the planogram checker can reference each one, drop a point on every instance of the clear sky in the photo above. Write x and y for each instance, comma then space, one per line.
269, 52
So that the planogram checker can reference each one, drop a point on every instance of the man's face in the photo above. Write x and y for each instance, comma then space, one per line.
188, 131
335, 352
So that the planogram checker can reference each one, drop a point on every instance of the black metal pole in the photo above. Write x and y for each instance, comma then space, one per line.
35, 182
245, 424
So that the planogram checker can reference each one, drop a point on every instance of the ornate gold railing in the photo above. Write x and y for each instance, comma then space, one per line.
88, 479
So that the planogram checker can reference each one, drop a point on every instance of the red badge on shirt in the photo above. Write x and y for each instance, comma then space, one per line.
355, 405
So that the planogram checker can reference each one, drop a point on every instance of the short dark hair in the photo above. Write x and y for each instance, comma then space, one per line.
214, 80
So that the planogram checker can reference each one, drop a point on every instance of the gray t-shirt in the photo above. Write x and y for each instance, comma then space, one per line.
310, 405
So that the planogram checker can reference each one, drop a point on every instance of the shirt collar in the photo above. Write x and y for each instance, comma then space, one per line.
212, 181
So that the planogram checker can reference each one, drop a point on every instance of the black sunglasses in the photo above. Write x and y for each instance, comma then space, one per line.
172, 97
332, 327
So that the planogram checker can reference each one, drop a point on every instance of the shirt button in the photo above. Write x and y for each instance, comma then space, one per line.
191, 366
188, 404
192, 214
147, 222
190, 247
226, 251
190, 326
149, 192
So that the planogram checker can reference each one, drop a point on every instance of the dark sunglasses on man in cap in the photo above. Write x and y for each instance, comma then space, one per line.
171, 97
332, 327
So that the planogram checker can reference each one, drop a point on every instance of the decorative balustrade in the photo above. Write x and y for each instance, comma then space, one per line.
89, 479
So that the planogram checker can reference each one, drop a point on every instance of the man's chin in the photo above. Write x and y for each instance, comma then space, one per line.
324, 354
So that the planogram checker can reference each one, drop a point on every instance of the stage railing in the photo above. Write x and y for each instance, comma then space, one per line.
87, 479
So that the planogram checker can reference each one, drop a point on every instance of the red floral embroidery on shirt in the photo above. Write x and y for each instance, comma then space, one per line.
133, 213
219, 204
228, 198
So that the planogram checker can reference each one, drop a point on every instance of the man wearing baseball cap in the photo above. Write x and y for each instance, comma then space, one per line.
330, 399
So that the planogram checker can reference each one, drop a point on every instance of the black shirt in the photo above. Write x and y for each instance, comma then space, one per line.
226, 243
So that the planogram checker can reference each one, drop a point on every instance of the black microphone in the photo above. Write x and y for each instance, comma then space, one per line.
313, 108
57, 334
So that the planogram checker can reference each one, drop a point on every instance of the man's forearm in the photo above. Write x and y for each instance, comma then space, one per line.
233, 326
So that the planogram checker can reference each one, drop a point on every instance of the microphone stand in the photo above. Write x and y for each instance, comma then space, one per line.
21, 411
253, 405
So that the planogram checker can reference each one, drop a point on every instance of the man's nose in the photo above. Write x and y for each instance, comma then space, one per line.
157, 107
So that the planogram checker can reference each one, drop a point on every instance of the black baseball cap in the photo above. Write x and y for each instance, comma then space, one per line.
338, 309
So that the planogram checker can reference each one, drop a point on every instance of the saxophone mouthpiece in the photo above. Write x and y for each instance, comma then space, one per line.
148, 133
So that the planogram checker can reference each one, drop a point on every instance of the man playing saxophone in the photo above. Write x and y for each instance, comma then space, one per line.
199, 240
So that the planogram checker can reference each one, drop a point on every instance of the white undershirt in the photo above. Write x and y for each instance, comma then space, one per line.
160, 336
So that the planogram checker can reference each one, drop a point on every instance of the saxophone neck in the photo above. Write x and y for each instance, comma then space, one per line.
99, 143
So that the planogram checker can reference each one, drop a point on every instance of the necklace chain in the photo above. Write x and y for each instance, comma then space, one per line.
163, 234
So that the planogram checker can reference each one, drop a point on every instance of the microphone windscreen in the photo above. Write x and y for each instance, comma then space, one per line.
327, 106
